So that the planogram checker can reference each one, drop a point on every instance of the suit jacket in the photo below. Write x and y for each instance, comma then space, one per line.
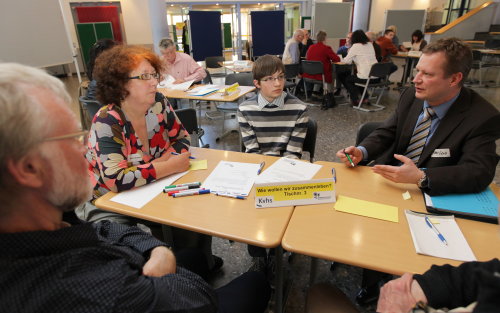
468, 130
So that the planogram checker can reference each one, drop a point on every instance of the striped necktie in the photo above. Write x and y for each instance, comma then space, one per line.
419, 137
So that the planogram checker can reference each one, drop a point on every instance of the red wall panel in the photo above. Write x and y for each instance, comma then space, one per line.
101, 14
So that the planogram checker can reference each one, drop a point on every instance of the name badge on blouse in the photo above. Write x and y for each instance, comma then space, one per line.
441, 153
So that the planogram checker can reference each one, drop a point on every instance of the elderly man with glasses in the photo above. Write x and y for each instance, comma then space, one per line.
51, 266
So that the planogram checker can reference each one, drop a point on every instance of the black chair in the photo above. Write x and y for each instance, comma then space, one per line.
309, 144
378, 78
188, 119
215, 63
313, 68
363, 131
88, 108
292, 71
492, 44
480, 63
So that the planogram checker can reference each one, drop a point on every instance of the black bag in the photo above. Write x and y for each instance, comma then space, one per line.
328, 101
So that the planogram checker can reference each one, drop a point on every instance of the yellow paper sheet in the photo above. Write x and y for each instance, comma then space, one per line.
367, 208
198, 165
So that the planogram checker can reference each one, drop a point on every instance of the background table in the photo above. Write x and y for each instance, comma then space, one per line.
320, 231
216, 96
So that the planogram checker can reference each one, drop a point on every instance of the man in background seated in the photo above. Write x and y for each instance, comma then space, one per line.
305, 43
441, 136
51, 266
180, 66
291, 54
376, 47
387, 48
344, 49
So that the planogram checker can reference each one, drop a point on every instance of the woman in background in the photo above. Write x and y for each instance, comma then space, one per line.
417, 44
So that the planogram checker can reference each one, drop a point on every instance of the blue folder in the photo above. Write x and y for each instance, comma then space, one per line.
482, 206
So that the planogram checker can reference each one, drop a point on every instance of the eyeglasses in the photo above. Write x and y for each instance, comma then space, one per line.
80, 136
146, 76
279, 78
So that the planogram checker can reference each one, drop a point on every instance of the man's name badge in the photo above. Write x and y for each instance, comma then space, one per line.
441, 153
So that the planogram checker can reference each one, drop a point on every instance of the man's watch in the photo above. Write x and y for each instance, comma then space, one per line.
424, 181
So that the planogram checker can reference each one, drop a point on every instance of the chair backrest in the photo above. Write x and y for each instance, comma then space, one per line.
365, 129
213, 62
312, 67
208, 79
492, 44
292, 70
380, 70
188, 119
243, 79
476, 55
91, 106
309, 144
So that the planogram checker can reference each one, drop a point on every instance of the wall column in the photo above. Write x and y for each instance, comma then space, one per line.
361, 15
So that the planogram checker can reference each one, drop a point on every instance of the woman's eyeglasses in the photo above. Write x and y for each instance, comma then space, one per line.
146, 76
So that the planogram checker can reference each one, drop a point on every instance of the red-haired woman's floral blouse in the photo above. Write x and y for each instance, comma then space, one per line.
117, 158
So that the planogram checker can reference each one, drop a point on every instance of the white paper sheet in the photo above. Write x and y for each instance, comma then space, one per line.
168, 83
286, 169
139, 196
427, 242
232, 177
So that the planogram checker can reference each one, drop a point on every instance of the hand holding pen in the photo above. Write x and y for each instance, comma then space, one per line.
350, 156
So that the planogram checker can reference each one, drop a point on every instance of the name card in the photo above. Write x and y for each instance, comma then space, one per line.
315, 191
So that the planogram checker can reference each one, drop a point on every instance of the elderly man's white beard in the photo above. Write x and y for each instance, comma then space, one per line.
66, 190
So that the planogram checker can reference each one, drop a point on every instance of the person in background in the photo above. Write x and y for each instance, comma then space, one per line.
417, 44
362, 54
49, 265
134, 137
305, 43
96, 49
343, 49
378, 52
181, 66
323, 53
388, 48
395, 39
291, 54
185, 37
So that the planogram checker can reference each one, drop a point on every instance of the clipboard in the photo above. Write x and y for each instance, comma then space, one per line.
481, 206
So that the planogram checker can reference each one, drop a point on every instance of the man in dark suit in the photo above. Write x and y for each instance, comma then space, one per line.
456, 136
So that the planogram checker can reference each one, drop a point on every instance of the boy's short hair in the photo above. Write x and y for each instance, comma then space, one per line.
267, 65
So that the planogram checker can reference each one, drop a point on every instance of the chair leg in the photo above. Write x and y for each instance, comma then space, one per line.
305, 88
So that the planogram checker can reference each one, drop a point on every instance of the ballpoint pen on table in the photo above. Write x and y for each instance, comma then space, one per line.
231, 196
349, 158
179, 188
262, 164
181, 191
176, 153
433, 227
191, 193
197, 183
334, 174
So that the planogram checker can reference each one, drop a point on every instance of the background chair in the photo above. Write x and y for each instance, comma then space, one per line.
215, 63
88, 108
379, 72
309, 144
479, 63
291, 73
313, 68
363, 131
188, 119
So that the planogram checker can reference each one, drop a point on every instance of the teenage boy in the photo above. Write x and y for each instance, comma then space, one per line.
272, 122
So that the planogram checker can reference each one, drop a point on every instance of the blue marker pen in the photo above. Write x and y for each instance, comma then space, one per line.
433, 227
175, 153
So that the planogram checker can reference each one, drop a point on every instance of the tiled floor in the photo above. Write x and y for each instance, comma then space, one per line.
336, 129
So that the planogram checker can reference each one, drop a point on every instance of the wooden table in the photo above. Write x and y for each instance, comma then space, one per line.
216, 96
224, 217
408, 58
321, 232
237, 68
